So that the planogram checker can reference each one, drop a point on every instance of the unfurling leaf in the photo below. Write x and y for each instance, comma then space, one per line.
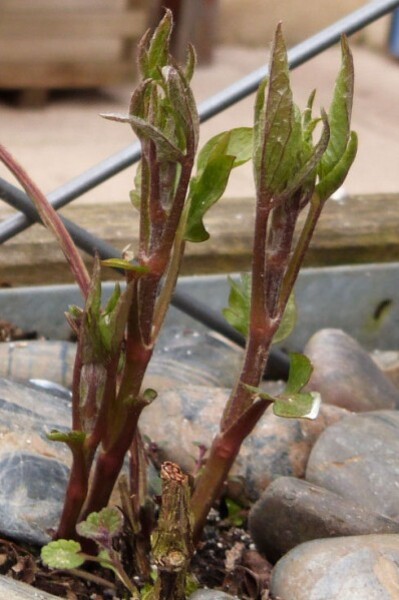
154, 51
335, 178
342, 147
102, 526
215, 161
278, 130
62, 554
120, 263
238, 311
339, 114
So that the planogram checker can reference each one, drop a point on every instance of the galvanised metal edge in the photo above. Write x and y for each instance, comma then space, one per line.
362, 300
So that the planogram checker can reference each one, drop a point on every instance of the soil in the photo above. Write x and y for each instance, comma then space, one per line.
225, 560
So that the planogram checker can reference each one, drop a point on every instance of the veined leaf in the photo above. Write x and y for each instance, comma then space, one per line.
166, 149
238, 311
335, 178
101, 526
339, 115
237, 142
278, 131
62, 554
215, 161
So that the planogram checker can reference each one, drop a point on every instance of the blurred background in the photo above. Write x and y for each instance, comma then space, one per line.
62, 63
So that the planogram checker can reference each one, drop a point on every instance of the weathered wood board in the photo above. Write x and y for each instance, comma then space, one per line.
360, 229
68, 44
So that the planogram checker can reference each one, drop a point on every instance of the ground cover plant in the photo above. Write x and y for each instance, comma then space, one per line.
174, 188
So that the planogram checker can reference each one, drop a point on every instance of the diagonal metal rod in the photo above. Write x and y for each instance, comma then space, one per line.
211, 107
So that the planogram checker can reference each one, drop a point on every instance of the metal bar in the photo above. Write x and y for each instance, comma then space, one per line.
214, 105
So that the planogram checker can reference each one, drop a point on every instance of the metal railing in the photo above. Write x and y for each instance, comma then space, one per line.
111, 166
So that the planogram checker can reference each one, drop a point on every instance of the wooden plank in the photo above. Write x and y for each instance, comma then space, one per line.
65, 74
65, 24
54, 5
361, 229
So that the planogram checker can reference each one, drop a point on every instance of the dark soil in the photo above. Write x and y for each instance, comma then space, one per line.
225, 559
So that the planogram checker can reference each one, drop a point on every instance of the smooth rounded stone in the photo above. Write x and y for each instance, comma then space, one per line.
11, 589
181, 357
345, 568
345, 375
211, 595
39, 359
292, 511
181, 419
388, 362
192, 357
358, 458
33, 470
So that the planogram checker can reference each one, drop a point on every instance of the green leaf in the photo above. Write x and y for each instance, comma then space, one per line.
73, 439
62, 554
106, 561
292, 403
278, 131
298, 406
182, 102
191, 60
300, 371
120, 263
288, 321
335, 178
154, 52
101, 526
238, 311
204, 193
340, 111
235, 513
215, 161
112, 322
166, 149
236, 142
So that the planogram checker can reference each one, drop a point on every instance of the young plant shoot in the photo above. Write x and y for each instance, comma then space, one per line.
173, 191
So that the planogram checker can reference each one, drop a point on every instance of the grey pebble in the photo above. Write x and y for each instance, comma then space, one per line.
345, 568
292, 511
345, 374
358, 458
